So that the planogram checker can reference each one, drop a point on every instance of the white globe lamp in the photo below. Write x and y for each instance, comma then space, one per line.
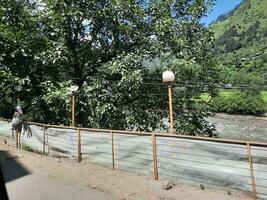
168, 76
74, 88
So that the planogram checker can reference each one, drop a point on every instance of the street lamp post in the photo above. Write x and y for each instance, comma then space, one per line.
73, 90
168, 77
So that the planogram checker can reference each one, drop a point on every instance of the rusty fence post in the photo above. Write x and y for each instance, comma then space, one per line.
155, 160
112, 143
17, 138
253, 184
44, 140
79, 145
47, 141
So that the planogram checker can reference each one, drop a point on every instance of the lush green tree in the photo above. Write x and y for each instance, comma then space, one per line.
102, 46
21, 43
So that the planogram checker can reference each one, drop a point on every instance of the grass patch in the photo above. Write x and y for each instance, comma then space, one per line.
230, 94
264, 95
238, 102
206, 96
27, 148
30, 149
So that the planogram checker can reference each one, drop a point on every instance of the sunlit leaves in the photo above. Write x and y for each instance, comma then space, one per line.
102, 46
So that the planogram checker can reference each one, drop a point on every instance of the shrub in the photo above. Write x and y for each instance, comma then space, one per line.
232, 45
240, 103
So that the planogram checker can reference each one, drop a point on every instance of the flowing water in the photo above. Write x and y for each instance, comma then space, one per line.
241, 127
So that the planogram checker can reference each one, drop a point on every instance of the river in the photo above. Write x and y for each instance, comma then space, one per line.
240, 127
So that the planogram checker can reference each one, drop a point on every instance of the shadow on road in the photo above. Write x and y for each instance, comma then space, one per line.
3, 192
12, 169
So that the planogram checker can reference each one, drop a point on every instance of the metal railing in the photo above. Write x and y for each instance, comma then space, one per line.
186, 158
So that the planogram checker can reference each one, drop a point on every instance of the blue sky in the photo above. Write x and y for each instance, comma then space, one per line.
220, 7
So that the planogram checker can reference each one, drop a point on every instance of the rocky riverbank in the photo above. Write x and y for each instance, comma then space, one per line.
241, 127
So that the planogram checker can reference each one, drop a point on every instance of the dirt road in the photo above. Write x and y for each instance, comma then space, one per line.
32, 176
27, 179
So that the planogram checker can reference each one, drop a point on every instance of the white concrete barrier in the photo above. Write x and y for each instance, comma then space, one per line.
183, 160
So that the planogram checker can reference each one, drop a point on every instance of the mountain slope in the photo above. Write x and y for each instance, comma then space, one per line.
245, 15
241, 43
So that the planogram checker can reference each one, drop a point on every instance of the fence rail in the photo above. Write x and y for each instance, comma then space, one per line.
196, 160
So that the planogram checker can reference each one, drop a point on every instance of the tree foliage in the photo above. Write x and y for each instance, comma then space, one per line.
241, 102
102, 46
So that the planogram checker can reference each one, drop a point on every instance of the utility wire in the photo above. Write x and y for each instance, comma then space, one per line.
195, 84
204, 84
175, 81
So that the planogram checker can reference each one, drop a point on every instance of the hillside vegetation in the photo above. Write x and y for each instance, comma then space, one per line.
240, 45
241, 52
238, 102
